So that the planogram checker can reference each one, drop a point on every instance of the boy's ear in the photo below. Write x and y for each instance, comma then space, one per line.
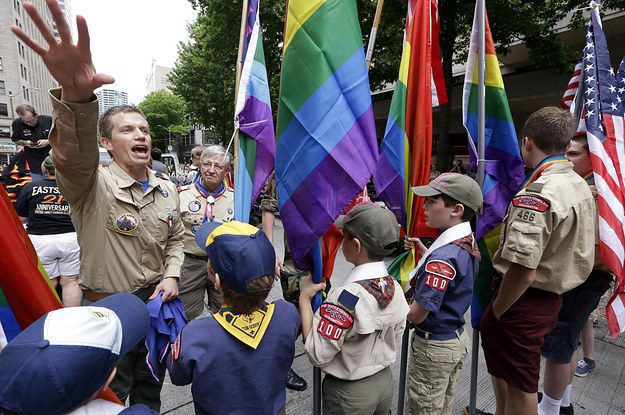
106, 143
217, 282
357, 245
458, 210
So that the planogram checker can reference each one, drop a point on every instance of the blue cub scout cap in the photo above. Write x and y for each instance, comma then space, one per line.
239, 253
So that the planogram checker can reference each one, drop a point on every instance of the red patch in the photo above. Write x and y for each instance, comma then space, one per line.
336, 315
436, 282
531, 202
175, 348
329, 330
441, 269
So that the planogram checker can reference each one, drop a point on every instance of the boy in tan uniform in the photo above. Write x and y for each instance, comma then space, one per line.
546, 248
354, 335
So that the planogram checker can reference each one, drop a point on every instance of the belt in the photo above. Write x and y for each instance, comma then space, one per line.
198, 257
143, 293
437, 336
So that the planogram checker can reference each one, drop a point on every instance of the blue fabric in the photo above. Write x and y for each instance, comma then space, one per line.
144, 183
166, 322
138, 409
229, 377
447, 307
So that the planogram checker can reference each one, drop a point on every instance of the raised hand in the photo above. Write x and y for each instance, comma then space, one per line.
70, 64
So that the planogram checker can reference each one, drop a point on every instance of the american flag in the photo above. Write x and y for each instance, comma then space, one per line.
603, 116
568, 98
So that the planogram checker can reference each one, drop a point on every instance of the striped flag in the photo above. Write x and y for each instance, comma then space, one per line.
503, 168
406, 151
568, 99
604, 124
326, 147
256, 152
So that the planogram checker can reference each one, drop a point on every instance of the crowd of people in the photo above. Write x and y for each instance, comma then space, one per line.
124, 237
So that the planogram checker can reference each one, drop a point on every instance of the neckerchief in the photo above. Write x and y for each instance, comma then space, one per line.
382, 289
542, 166
210, 198
588, 175
248, 328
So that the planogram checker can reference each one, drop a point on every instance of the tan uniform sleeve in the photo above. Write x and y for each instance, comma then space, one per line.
321, 349
74, 146
173, 252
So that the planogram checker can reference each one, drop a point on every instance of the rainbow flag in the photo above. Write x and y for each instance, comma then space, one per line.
256, 152
326, 148
406, 150
503, 167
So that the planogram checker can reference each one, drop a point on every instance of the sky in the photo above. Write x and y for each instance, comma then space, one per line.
127, 34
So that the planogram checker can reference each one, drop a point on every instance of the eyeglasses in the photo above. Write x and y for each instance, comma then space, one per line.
32, 121
217, 167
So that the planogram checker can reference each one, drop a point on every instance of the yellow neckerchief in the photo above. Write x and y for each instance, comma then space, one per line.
249, 328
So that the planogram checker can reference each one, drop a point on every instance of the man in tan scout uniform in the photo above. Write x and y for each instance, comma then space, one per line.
127, 220
208, 199
546, 248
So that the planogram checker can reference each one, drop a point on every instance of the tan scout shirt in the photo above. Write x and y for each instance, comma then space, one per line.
125, 236
550, 227
371, 343
192, 210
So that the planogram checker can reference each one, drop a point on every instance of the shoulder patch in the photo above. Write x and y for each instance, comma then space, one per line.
185, 187
531, 202
441, 269
535, 187
348, 299
334, 321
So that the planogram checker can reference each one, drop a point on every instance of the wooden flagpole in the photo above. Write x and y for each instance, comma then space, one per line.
374, 33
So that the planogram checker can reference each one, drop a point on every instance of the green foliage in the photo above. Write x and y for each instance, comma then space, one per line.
164, 110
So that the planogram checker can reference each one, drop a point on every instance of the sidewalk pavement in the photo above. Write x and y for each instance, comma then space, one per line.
601, 392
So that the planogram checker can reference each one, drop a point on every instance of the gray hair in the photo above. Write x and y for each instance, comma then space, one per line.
216, 150
48, 166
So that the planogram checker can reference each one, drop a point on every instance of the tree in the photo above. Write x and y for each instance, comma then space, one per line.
163, 110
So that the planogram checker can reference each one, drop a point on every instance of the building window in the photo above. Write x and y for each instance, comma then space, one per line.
2, 88
4, 110
0, 64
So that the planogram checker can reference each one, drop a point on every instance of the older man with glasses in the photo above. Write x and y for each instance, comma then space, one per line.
31, 131
207, 199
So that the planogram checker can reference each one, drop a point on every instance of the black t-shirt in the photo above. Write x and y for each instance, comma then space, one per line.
46, 208
39, 131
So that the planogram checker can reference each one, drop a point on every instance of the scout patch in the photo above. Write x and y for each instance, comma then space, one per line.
248, 328
348, 299
230, 211
334, 320
164, 193
126, 222
438, 274
194, 206
194, 228
531, 202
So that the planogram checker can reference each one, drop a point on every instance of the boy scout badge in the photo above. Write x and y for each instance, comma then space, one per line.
438, 274
531, 202
194, 206
248, 328
194, 228
334, 321
126, 222
164, 193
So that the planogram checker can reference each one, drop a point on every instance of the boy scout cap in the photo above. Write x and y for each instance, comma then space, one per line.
58, 362
457, 186
374, 225
239, 252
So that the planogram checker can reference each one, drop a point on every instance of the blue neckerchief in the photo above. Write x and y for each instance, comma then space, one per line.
145, 184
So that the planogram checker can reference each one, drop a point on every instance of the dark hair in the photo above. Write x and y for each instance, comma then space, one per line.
247, 304
371, 256
23, 108
583, 139
105, 124
48, 166
550, 128
156, 153
449, 201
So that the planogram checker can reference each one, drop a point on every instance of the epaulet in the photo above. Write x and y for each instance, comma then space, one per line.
468, 244
535, 187
229, 189
185, 187
161, 175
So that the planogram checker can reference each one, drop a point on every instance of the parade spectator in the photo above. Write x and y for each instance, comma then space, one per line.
548, 216
434, 172
354, 336
46, 212
59, 363
157, 166
443, 289
458, 168
560, 348
208, 199
31, 130
127, 220
237, 360
194, 169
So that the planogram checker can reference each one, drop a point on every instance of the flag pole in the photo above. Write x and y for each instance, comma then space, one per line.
237, 82
374, 33
481, 117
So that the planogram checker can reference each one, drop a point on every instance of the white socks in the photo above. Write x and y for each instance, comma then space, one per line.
549, 406
566, 397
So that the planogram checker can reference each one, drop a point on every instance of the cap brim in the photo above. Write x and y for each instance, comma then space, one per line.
425, 191
203, 233
133, 314
340, 221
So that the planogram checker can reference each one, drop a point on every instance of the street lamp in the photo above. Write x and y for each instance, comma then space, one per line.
11, 95
169, 147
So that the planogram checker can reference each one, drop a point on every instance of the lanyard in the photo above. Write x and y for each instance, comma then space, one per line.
545, 164
210, 198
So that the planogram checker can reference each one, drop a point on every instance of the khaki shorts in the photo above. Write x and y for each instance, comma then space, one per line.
370, 395
432, 374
